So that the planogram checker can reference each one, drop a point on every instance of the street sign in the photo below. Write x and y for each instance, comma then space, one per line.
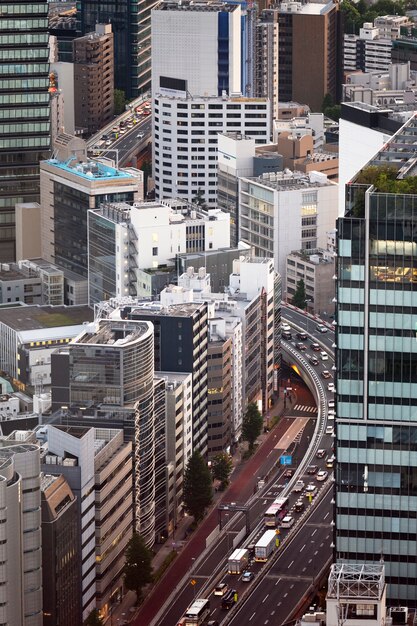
193, 582
285, 459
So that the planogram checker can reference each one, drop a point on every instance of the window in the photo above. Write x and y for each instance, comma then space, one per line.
154, 251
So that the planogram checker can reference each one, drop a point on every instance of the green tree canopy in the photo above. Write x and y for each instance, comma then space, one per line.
198, 488
299, 298
137, 571
94, 619
199, 199
252, 425
221, 468
119, 101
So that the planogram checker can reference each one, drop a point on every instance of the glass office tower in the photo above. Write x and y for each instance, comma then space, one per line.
131, 25
24, 109
376, 435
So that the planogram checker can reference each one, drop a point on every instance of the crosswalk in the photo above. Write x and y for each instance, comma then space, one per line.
305, 408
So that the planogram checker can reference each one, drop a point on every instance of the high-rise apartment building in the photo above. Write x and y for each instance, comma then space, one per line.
376, 434
131, 25
24, 98
309, 58
93, 59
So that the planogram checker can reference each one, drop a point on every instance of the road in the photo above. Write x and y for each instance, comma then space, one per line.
241, 490
294, 574
207, 570
129, 143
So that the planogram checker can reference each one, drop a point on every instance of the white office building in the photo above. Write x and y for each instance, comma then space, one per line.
185, 138
284, 211
124, 240
196, 48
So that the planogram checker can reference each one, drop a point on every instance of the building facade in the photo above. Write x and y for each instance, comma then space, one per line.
316, 268
124, 240
131, 26
21, 535
282, 212
376, 359
70, 186
185, 140
31, 282
60, 553
181, 338
25, 125
309, 56
219, 401
93, 59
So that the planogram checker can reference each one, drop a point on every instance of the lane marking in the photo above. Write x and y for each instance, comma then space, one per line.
267, 596
252, 616
290, 564
301, 549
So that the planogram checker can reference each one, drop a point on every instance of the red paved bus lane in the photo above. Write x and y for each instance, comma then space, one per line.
243, 482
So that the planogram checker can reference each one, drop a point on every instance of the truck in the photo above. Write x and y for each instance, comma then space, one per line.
265, 545
238, 561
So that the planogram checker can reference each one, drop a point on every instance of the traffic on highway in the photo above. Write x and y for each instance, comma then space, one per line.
289, 549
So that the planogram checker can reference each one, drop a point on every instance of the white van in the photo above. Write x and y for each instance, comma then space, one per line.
324, 356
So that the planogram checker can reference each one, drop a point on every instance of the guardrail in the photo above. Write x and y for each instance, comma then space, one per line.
123, 116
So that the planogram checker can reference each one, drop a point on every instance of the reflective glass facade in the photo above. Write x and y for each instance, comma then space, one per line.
376, 477
131, 25
24, 109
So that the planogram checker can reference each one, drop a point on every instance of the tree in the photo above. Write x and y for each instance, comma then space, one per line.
222, 467
199, 199
252, 425
137, 571
198, 488
299, 298
147, 172
119, 101
94, 619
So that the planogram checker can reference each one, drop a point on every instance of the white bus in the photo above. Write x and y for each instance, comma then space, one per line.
276, 512
197, 613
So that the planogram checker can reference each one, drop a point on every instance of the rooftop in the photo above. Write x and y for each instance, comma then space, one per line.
116, 333
89, 170
291, 181
196, 5
308, 8
157, 309
38, 316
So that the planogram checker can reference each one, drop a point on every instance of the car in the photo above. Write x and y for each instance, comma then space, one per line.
104, 137
324, 356
299, 506
289, 473
302, 336
329, 430
322, 475
311, 490
140, 135
330, 403
330, 387
286, 327
300, 346
312, 469
122, 131
247, 577
313, 360
315, 347
330, 461
213, 622
109, 142
298, 487
221, 589
331, 414
321, 329
320, 454
287, 521
286, 335
326, 374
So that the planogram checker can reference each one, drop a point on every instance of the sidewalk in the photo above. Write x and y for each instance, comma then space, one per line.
126, 609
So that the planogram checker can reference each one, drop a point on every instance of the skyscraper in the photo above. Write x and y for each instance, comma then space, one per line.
24, 99
131, 25
376, 477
